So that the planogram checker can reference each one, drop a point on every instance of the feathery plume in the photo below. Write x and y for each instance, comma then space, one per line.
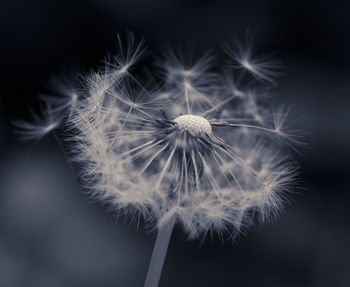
260, 65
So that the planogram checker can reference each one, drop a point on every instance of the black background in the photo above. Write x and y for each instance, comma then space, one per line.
52, 235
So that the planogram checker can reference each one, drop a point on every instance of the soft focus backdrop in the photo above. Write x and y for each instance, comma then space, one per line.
51, 234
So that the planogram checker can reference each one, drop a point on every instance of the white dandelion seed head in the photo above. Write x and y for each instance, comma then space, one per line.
196, 147
195, 125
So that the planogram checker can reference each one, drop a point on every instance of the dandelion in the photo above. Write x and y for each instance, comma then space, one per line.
200, 149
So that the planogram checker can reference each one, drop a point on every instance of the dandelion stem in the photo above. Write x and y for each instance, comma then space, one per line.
159, 253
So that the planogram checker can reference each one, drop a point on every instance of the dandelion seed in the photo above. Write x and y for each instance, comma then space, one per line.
39, 126
261, 66
65, 96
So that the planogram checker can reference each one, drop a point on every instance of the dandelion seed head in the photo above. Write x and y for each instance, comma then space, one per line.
193, 124
196, 146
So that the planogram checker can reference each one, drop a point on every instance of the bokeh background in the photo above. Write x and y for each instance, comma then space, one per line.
51, 234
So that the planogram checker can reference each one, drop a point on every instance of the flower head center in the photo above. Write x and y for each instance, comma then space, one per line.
195, 125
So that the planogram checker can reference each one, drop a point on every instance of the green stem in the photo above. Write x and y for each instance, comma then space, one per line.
159, 253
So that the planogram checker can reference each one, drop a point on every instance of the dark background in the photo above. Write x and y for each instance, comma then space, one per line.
52, 235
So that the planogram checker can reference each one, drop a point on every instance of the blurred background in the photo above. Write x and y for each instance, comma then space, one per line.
51, 234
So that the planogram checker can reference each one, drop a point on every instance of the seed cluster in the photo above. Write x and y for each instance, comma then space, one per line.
195, 125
